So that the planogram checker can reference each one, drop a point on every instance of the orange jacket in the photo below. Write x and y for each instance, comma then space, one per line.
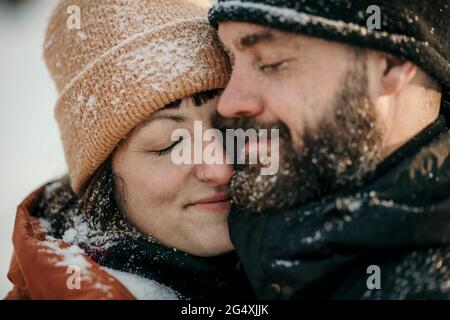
40, 269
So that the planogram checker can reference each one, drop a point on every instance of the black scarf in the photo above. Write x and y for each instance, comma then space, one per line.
198, 278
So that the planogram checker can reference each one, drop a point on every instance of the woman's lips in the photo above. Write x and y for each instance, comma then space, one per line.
219, 203
219, 207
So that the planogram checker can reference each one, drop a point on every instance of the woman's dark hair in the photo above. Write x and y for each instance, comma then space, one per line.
100, 201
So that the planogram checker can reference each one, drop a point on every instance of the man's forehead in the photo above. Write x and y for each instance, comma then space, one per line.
242, 35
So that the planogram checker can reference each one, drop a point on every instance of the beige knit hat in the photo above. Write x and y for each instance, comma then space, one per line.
128, 59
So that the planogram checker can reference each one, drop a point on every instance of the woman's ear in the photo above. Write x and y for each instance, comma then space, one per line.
397, 74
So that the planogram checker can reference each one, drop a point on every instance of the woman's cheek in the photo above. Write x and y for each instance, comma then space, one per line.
157, 201
160, 182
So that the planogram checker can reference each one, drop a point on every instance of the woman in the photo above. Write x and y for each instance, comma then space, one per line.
128, 222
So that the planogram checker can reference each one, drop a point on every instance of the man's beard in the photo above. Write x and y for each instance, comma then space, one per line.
339, 153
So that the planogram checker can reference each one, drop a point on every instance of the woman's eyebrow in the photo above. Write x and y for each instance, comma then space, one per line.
171, 117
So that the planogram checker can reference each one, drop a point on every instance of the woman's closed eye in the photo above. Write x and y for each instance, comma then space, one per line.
167, 150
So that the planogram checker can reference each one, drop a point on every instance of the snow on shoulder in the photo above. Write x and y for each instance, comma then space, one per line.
143, 289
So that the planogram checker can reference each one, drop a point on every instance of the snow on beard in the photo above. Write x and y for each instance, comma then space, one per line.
341, 152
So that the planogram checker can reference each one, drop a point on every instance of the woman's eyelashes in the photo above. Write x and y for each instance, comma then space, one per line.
167, 150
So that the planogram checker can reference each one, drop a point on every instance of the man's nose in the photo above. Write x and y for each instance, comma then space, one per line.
240, 98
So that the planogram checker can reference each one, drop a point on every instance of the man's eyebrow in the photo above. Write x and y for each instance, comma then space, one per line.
253, 39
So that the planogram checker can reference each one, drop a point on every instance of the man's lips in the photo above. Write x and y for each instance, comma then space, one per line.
215, 203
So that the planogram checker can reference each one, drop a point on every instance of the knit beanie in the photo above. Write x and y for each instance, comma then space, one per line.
115, 62
415, 30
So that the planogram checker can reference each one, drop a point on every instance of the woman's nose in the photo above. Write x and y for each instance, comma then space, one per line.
217, 174
215, 169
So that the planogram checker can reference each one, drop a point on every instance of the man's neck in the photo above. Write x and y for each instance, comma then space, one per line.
402, 134
414, 144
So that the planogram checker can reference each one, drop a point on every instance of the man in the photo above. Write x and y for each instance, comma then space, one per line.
360, 208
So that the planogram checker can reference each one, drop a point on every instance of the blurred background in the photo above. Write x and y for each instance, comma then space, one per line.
31, 152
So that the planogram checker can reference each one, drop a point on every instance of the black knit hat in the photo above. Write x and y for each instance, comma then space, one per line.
414, 30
